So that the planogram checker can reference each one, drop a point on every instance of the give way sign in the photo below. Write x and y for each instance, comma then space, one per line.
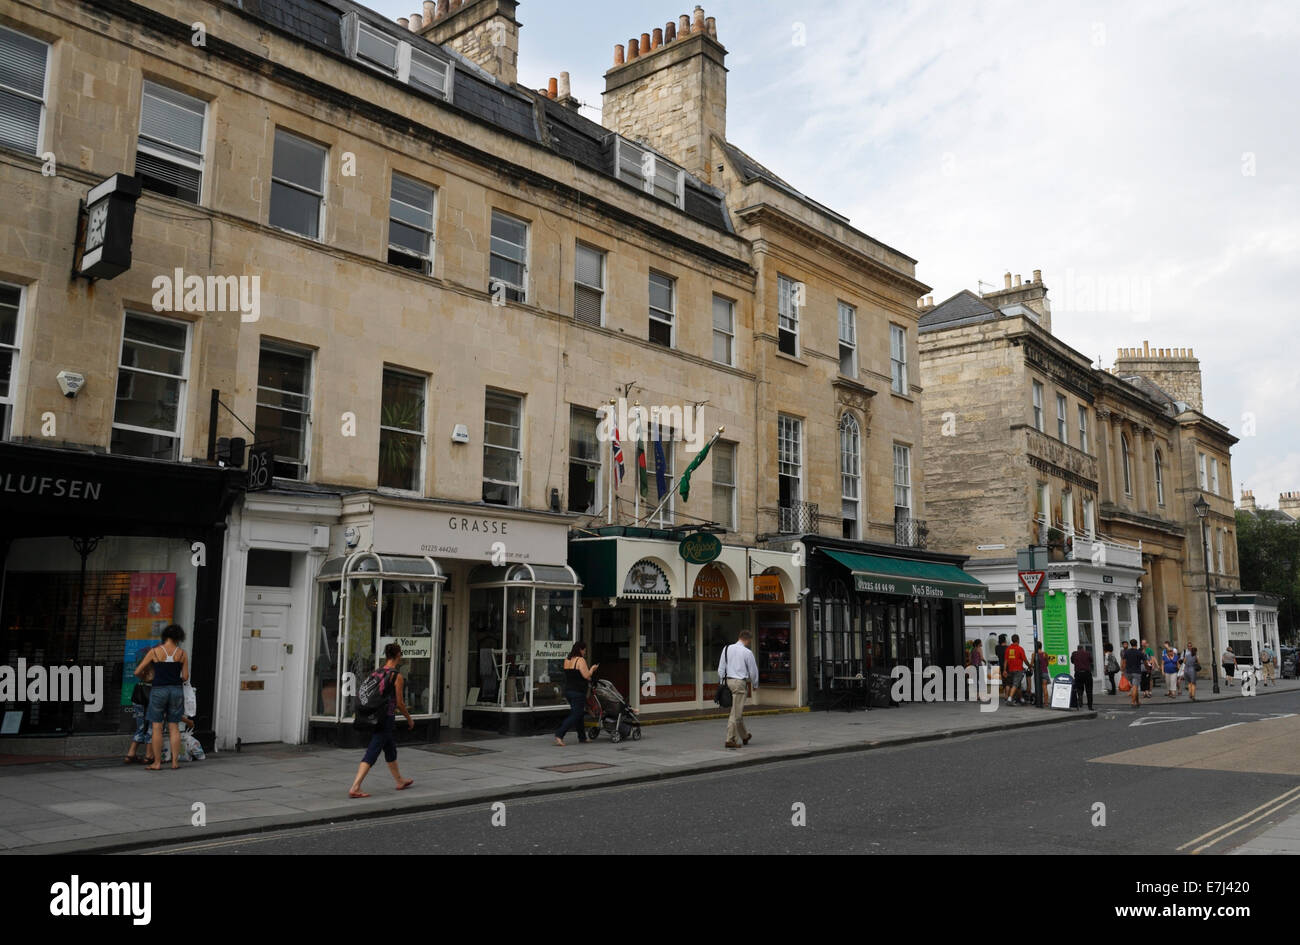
1032, 580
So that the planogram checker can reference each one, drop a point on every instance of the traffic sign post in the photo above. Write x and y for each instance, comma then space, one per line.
1029, 563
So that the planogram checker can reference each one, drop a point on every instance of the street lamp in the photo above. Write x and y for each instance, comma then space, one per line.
1203, 509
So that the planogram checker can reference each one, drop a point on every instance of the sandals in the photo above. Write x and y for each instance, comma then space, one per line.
357, 794
405, 784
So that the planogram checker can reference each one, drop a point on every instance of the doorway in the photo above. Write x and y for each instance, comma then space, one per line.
262, 650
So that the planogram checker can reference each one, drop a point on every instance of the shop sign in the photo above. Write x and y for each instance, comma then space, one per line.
104, 249
767, 589
480, 537
551, 649
1056, 637
1107, 579
700, 548
645, 578
1238, 633
413, 648
905, 587
261, 460
710, 584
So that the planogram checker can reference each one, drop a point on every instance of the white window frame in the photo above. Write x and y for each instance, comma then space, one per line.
1039, 421
1223, 541
320, 197
364, 29
518, 482
787, 312
178, 435
1089, 518
1044, 515
405, 55
598, 463
1083, 427
726, 335
898, 359
789, 456
492, 280
599, 289
671, 320
9, 402
1067, 511
851, 472
1062, 409
902, 479
45, 92
1214, 474
642, 168
848, 316
430, 233
303, 462
143, 144
422, 433
729, 486
1125, 455
1160, 479
1200, 466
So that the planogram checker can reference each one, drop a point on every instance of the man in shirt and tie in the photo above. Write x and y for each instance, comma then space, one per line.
739, 671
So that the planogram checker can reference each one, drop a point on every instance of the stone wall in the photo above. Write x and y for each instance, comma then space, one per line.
1175, 370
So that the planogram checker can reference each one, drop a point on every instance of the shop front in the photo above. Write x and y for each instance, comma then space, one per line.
100, 554
870, 610
1247, 623
478, 598
657, 621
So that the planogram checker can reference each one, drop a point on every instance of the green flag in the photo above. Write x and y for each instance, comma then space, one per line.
684, 485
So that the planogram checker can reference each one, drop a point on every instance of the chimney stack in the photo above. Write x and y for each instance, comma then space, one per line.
1289, 502
484, 31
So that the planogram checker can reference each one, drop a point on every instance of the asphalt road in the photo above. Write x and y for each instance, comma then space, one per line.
1173, 776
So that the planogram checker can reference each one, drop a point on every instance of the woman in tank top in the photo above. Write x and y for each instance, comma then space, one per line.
171, 670
576, 676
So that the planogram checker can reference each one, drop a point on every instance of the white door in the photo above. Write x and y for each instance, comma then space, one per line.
261, 668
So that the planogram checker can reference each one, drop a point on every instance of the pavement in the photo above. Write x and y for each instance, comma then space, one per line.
1204, 693
1284, 838
104, 805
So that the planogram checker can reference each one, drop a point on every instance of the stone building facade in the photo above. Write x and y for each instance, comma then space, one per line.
1034, 445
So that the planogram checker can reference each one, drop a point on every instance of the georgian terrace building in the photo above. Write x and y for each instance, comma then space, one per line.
1034, 445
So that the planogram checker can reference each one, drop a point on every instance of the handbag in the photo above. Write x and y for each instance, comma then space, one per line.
140, 694
1124, 684
723, 696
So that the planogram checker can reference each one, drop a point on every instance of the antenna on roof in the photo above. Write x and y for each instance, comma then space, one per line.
981, 283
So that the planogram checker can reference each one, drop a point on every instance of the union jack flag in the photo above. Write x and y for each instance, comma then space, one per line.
617, 450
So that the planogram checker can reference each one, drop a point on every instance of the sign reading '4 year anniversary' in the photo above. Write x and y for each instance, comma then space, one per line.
700, 548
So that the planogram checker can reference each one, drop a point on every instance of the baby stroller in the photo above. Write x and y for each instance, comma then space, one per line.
608, 710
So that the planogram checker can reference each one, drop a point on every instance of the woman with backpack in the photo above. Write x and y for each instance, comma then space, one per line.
392, 687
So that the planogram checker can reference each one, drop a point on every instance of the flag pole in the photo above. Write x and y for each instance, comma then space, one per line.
669, 494
636, 467
609, 458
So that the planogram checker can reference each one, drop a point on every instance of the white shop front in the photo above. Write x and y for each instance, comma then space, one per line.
1247, 622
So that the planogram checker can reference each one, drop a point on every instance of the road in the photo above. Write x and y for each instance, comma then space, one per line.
1168, 779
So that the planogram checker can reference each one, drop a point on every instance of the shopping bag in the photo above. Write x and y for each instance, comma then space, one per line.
191, 701
1124, 684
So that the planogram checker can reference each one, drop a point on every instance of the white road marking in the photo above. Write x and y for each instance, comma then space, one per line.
1220, 728
1159, 719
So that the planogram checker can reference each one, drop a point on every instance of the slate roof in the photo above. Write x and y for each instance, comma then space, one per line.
964, 308
751, 170
481, 96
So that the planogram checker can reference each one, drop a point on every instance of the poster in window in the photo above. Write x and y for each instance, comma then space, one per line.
150, 609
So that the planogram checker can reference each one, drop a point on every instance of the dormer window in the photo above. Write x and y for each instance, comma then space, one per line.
649, 172
376, 49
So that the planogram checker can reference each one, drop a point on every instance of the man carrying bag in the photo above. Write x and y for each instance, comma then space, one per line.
738, 675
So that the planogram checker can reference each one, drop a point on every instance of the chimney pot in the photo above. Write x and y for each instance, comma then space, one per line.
670, 31
1038, 275
683, 25
403, 22
697, 25
618, 54
442, 8
565, 91
656, 38
552, 87
711, 27
1189, 353
1007, 279
632, 50
645, 43
1146, 350
416, 22
430, 11
1017, 280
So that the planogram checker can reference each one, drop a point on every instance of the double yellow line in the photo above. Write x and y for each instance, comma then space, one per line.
1222, 832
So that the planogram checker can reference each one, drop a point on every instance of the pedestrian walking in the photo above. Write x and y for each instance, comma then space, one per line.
1148, 664
1266, 661
1133, 660
576, 677
1229, 660
1191, 665
1170, 660
739, 672
1081, 660
171, 670
1112, 667
1013, 657
393, 686
1000, 651
977, 663
1044, 676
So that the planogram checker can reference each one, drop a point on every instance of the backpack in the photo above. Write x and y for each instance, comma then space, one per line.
374, 693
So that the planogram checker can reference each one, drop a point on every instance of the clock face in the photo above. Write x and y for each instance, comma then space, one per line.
97, 225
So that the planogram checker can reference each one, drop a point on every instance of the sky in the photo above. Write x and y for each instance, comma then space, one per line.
1143, 155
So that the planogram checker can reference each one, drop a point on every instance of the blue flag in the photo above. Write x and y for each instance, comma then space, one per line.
661, 475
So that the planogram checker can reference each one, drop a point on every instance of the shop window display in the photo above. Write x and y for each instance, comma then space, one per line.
668, 651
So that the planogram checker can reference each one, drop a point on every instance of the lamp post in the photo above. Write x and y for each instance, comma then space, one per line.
1203, 509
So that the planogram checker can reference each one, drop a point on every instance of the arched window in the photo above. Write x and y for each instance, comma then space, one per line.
1160, 479
1128, 476
850, 476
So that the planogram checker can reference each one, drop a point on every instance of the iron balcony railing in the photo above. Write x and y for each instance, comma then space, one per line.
799, 518
910, 532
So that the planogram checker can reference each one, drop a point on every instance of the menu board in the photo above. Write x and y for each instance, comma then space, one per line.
151, 607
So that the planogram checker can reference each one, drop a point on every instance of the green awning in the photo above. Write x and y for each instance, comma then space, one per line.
907, 577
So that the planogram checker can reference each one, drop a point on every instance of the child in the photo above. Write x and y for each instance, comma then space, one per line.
139, 703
